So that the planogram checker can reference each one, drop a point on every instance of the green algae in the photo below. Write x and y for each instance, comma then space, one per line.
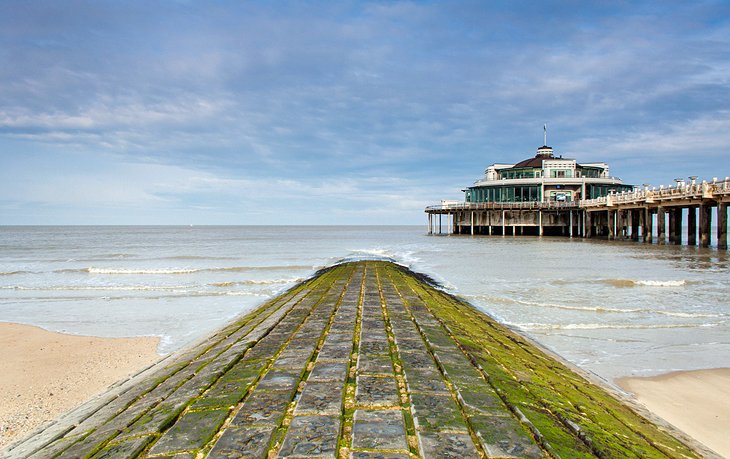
553, 398
464, 385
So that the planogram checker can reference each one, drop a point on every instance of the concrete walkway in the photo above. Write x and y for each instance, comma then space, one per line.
362, 361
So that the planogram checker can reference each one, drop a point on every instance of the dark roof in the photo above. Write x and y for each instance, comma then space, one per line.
537, 160
530, 162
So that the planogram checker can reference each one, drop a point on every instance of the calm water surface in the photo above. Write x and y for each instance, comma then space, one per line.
613, 308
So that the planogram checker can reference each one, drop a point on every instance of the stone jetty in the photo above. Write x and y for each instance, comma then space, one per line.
364, 360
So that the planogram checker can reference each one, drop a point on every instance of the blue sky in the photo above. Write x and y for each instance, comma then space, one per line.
341, 112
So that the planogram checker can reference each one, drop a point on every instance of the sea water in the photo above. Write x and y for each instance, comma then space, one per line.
612, 308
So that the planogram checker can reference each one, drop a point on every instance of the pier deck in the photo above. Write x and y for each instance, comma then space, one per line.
362, 361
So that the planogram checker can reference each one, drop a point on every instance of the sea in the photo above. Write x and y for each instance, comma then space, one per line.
612, 308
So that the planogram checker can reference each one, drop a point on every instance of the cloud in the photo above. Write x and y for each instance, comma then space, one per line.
180, 106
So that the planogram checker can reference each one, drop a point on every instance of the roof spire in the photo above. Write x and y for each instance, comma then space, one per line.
544, 137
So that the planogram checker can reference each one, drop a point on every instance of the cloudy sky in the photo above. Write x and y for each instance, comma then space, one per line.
341, 112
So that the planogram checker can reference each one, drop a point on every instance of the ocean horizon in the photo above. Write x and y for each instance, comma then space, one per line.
613, 308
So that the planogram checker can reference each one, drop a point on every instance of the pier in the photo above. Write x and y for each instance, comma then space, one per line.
364, 360
649, 215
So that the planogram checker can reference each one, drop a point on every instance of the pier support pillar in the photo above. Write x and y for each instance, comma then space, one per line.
672, 223
678, 220
587, 229
570, 223
646, 224
660, 225
722, 225
430, 223
504, 226
692, 225
620, 224
439, 223
581, 223
612, 224
472, 223
705, 224
539, 222
634, 225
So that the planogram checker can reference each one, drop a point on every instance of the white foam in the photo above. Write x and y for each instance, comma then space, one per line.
596, 326
141, 271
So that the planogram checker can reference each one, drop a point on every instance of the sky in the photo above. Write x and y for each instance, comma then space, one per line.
308, 112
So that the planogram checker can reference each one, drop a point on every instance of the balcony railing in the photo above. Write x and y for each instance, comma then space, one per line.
646, 195
464, 206
682, 191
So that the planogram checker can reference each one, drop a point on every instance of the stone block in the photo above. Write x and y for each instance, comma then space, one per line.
244, 370
504, 436
374, 364
437, 412
311, 436
129, 448
378, 455
293, 359
482, 400
374, 347
418, 360
410, 344
425, 381
265, 408
280, 379
442, 445
376, 391
243, 443
329, 371
379, 429
192, 431
338, 352
320, 398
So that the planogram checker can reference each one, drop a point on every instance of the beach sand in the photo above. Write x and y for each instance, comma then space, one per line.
697, 402
44, 374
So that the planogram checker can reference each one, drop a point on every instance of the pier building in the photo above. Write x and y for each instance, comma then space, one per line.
552, 195
544, 177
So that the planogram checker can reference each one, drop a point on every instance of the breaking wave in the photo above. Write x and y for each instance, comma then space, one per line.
258, 282
601, 309
594, 326
628, 283
166, 271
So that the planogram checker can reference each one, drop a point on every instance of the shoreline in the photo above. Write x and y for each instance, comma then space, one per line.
696, 402
46, 374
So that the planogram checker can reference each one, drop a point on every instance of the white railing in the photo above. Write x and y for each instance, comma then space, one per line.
463, 206
694, 190
682, 190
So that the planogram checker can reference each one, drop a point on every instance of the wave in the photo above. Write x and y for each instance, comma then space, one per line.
595, 326
139, 271
404, 257
98, 288
629, 283
12, 273
601, 309
167, 271
172, 294
258, 282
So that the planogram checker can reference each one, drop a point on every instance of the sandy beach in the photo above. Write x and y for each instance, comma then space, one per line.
697, 402
45, 374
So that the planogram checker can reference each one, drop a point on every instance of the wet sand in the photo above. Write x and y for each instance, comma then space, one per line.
697, 402
44, 374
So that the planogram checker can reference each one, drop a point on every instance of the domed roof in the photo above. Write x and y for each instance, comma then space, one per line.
543, 153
